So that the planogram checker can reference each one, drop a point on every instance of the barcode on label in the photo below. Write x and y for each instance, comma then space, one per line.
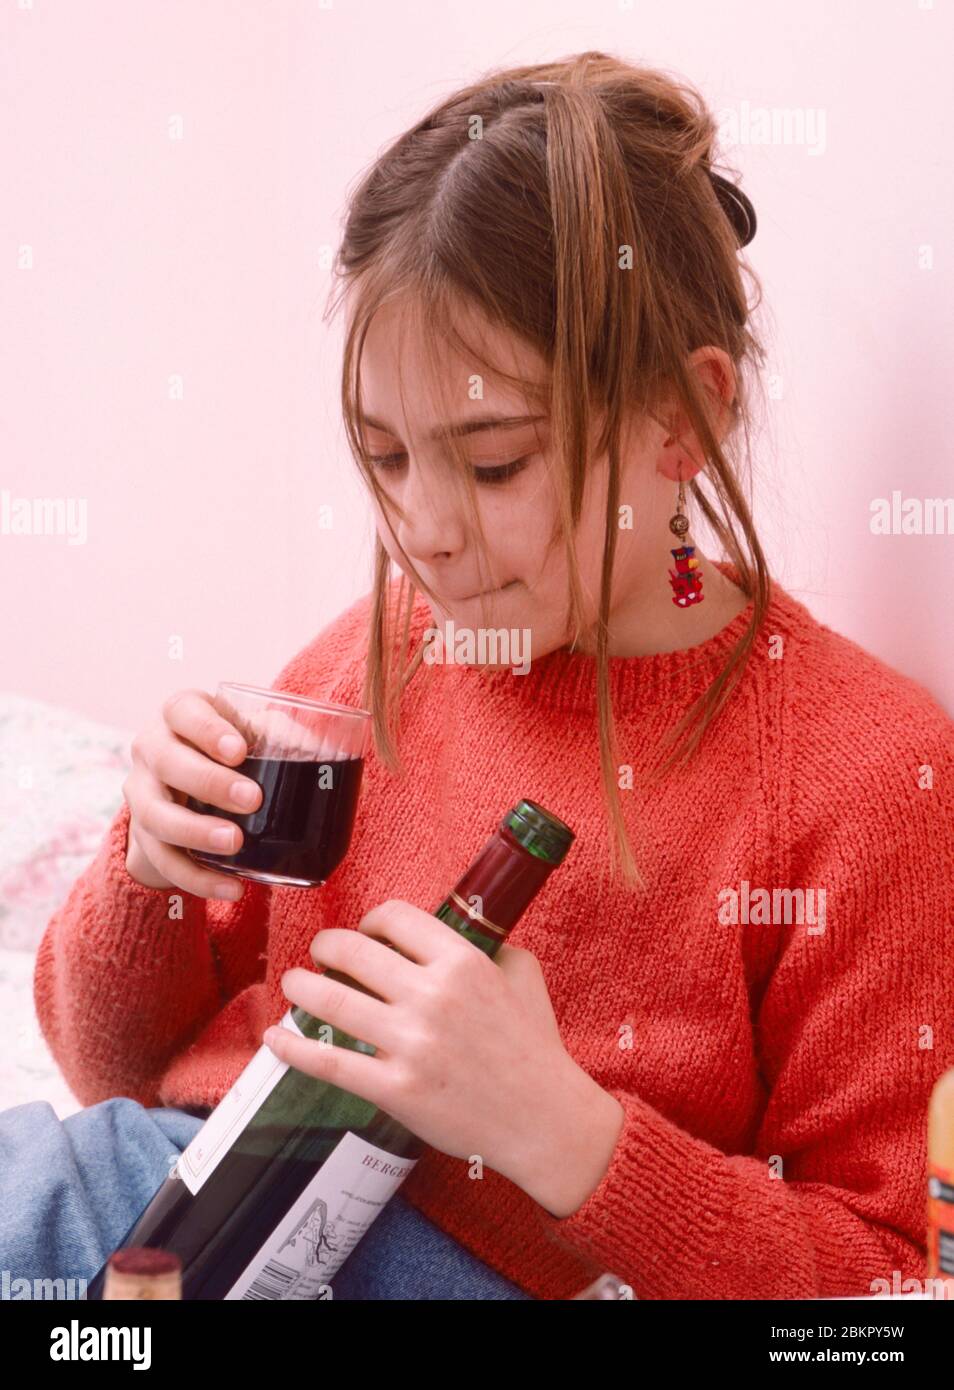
323, 1225
274, 1281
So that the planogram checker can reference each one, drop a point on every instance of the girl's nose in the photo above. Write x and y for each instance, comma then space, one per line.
433, 527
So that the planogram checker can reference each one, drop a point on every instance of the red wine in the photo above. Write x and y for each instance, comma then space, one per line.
288, 1172
302, 829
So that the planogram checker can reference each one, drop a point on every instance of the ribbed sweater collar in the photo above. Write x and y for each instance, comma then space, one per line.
564, 680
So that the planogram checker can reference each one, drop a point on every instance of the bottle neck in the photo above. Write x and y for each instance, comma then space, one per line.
495, 891
482, 906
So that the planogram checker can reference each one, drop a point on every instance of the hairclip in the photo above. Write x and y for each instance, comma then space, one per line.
736, 206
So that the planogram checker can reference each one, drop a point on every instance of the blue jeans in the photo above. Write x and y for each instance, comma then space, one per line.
71, 1189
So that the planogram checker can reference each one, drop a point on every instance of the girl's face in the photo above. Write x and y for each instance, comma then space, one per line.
509, 450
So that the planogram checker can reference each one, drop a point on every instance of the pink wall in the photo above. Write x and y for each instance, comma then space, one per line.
205, 258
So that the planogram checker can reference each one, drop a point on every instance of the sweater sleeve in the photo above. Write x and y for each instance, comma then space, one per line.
126, 976
852, 1030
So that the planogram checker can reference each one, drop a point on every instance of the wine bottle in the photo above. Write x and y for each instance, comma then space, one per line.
289, 1171
940, 1176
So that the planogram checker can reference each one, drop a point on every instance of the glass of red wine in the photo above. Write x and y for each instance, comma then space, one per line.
307, 756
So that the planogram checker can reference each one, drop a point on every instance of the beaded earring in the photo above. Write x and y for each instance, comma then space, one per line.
685, 579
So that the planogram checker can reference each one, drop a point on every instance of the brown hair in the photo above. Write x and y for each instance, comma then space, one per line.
516, 196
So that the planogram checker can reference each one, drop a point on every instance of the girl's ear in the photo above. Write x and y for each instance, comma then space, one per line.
675, 462
680, 455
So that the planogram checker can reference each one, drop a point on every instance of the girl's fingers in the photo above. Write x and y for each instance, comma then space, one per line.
186, 770
337, 1003
192, 715
357, 1072
165, 819
371, 963
418, 935
182, 871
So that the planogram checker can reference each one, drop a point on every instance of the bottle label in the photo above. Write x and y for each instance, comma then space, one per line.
319, 1232
250, 1091
941, 1218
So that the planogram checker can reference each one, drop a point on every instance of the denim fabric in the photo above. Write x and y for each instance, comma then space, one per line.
70, 1190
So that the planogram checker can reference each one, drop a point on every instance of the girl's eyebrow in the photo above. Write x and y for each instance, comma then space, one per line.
463, 427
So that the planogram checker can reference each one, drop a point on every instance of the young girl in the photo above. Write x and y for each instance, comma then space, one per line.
704, 1058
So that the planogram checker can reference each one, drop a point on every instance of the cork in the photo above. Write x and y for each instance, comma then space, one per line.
139, 1272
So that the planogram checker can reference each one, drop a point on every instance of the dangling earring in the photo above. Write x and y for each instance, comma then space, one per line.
685, 579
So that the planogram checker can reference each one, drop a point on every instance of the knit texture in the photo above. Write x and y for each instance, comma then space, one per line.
774, 1077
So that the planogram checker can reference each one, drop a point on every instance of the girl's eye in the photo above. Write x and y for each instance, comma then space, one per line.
499, 473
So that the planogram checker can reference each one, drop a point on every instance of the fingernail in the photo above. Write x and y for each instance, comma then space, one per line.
231, 891
230, 745
223, 839
244, 793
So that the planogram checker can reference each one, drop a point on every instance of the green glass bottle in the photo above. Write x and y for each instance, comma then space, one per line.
288, 1171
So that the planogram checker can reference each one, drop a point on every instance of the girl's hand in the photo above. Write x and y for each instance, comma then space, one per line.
182, 754
468, 1052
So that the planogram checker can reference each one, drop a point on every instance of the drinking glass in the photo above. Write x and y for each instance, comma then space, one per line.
307, 756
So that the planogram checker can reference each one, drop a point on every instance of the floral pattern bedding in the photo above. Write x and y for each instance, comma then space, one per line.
61, 778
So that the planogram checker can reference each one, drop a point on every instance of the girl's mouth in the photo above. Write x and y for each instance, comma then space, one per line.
485, 593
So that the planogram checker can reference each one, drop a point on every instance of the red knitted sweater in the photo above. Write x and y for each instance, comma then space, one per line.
774, 1076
